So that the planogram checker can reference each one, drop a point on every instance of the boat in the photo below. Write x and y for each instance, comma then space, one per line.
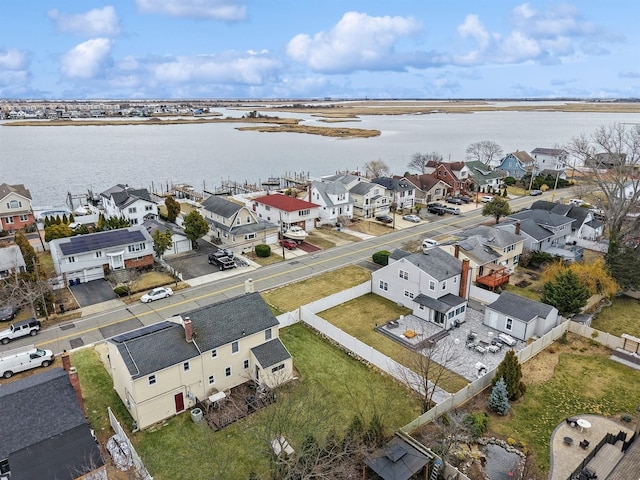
295, 233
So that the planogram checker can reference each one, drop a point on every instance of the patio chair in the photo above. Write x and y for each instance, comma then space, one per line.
572, 422
584, 444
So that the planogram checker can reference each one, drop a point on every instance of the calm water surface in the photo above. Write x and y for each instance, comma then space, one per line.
51, 161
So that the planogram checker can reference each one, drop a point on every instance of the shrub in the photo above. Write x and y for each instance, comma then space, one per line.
262, 250
478, 422
509, 181
121, 290
381, 257
563, 339
499, 398
511, 441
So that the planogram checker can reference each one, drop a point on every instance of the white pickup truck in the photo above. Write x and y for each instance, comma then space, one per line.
24, 358
20, 329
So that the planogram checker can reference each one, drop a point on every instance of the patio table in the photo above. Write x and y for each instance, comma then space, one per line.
582, 423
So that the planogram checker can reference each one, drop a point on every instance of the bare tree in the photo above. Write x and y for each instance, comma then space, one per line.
449, 430
419, 161
376, 168
485, 151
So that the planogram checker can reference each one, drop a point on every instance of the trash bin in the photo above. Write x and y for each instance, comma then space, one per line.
62, 308
196, 415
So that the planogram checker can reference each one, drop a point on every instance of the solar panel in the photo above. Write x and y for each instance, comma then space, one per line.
140, 332
100, 240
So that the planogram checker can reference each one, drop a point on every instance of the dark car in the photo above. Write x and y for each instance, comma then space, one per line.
289, 244
454, 200
436, 208
465, 199
384, 219
8, 313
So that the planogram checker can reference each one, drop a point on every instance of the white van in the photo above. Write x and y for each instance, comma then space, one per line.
24, 358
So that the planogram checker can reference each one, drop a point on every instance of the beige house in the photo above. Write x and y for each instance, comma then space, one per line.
163, 369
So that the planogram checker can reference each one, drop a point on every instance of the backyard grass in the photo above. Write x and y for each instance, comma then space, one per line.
180, 448
294, 295
358, 317
623, 316
567, 380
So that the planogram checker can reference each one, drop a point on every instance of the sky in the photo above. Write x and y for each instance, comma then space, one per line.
288, 49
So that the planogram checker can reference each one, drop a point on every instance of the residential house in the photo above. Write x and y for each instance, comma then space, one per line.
166, 368
493, 254
435, 285
629, 190
520, 317
516, 164
88, 257
403, 192
584, 224
45, 434
549, 158
334, 201
236, 224
286, 211
370, 199
454, 174
180, 243
134, 204
16, 211
483, 177
606, 161
11, 261
542, 231
428, 188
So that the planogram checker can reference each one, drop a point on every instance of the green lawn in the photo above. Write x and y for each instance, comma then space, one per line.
582, 383
333, 388
623, 316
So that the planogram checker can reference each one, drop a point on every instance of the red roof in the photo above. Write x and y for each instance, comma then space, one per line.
285, 203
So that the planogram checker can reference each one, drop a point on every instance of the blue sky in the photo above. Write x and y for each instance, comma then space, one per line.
229, 49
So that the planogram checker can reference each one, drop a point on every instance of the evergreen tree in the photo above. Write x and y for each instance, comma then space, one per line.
65, 220
27, 250
497, 208
499, 398
511, 372
195, 227
173, 208
566, 293
61, 230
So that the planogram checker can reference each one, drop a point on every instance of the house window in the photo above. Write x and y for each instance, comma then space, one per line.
383, 285
71, 259
509, 324
248, 219
214, 353
133, 221
98, 254
212, 379
24, 218
148, 208
516, 259
444, 285
152, 379
451, 314
250, 236
14, 204
267, 334
279, 367
227, 372
186, 367
432, 285
421, 307
245, 363
408, 294
234, 347
9, 219
132, 210
304, 213
267, 208
463, 308
455, 280
403, 274
136, 248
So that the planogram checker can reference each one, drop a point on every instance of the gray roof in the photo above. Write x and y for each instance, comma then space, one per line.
101, 240
558, 208
48, 407
124, 195
345, 179
442, 304
394, 184
6, 189
10, 258
542, 217
221, 206
152, 225
519, 307
475, 249
260, 226
555, 152
331, 188
363, 188
271, 352
529, 227
492, 236
437, 263
152, 348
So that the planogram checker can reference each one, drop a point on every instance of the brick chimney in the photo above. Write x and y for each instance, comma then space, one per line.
464, 278
75, 383
66, 360
517, 228
456, 250
188, 329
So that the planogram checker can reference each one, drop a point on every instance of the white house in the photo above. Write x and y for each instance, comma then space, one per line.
435, 285
584, 225
87, 257
286, 211
134, 204
549, 158
179, 241
11, 261
333, 200
403, 191
520, 317
542, 231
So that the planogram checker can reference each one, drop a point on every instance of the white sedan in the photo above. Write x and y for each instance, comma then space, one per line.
156, 294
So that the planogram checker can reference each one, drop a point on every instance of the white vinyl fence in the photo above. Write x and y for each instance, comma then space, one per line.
139, 467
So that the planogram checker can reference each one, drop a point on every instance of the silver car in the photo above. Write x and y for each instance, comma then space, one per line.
411, 218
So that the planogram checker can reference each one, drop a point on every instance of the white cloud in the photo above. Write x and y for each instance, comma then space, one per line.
14, 69
360, 42
13, 59
472, 27
99, 22
226, 10
88, 59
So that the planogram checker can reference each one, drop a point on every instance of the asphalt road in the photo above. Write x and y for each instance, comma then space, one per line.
97, 327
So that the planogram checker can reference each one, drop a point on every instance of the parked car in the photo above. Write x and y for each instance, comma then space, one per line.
576, 202
411, 218
452, 210
8, 313
22, 359
465, 199
222, 260
156, 294
535, 193
384, 219
288, 243
487, 198
20, 329
428, 243
454, 200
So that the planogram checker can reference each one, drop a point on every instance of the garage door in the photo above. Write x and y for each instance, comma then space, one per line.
93, 274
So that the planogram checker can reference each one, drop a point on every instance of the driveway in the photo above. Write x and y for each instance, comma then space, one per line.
90, 293
194, 263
